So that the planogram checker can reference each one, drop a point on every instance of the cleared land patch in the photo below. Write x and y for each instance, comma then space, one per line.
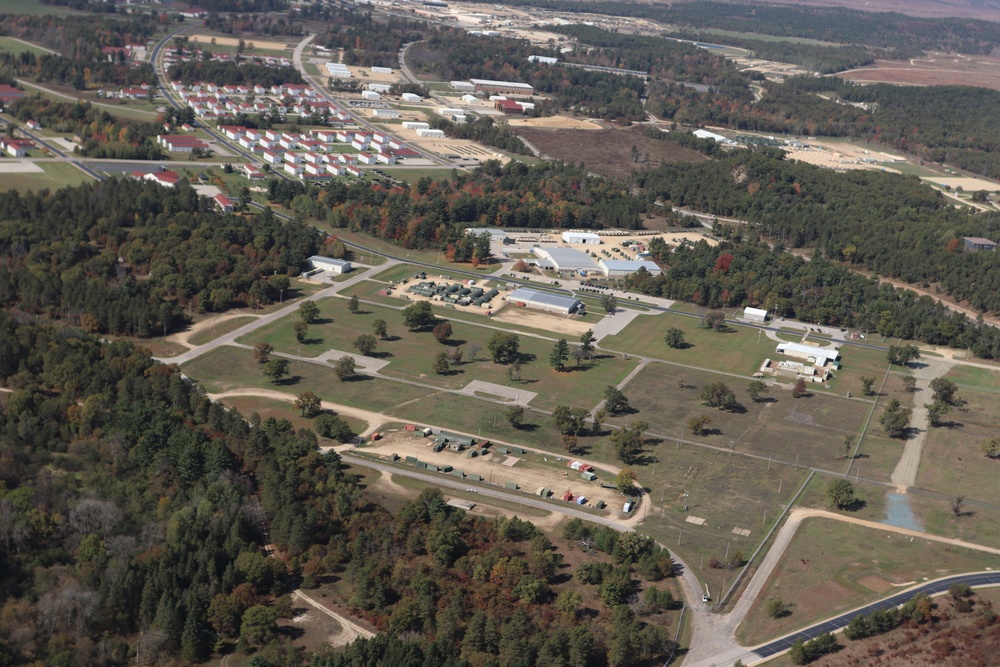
608, 152
824, 570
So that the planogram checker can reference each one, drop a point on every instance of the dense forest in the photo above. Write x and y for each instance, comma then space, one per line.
745, 271
79, 38
241, 6
899, 35
369, 42
813, 57
101, 134
133, 515
232, 74
264, 25
129, 257
905, 231
436, 213
82, 75
454, 54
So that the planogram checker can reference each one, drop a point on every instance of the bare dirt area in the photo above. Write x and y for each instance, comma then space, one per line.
232, 41
530, 472
936, 69
608, 152
555, 123
537, 320
366, 75
922, 8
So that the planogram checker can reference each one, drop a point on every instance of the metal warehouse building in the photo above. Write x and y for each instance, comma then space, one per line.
329, 264
547, 301
564, 259
616, 268
588, 238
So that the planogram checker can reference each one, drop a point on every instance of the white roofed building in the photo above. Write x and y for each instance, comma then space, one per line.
619, 268
547, 301
587, 238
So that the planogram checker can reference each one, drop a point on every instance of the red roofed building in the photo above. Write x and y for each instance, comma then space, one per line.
509, 106
10, 93
223, 203
168, 179
135, 93
180, 143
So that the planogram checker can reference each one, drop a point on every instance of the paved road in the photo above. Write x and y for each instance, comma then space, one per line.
264, 320
360, 120
838, 622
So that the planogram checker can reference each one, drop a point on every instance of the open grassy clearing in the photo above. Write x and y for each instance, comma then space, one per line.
229, 368
270, 407
831, 567
35, 8
411, 354
220, 329
977, 378
738, 350
953, 462
872, 497
729, 492
55, 175
810, 430
16, 46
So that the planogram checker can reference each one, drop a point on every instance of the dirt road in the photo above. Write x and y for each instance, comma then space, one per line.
373, 419
350, 629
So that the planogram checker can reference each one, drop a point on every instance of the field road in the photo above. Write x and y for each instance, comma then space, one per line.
264, 320
373, 419
350, 630
924, 371
732, 620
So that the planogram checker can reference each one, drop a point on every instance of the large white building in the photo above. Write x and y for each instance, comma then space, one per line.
820, 356
329, 264
547, 301
564, 259
588, 238
619, 268
754, 314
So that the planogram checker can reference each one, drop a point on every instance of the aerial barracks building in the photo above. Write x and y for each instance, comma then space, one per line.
507, 87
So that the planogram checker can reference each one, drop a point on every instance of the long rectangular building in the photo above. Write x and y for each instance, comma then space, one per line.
510, 87
547, 301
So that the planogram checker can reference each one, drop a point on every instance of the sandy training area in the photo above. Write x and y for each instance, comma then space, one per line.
835, 160
967, 183
366, 75
527, 317
555, 122
232, 41
532, 471
19, 168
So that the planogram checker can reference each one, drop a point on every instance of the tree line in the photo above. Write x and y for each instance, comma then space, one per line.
232, 74
134, 258
133, 516
81, 74
100, 134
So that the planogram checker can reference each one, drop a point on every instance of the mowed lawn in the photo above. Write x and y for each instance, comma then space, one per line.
831, 567
736, 350
977, 378
952, 461
229, 368
270, 407
17, 47
810, 430
55, 175
411, 354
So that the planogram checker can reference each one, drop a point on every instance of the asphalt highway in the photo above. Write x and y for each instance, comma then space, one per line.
839, 622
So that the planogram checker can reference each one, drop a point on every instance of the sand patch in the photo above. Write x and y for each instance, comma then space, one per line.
875, 583
555, 122
19, 167
538, 320
232, 41
968, 184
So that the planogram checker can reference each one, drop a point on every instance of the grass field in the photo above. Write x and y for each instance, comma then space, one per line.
976, 378
230, 368
220, 329
830, 567
56, 175
414, 175
810, 430
269, 407
35, 8
952, 461
411, 354
737, 350
727, 491
16, 46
